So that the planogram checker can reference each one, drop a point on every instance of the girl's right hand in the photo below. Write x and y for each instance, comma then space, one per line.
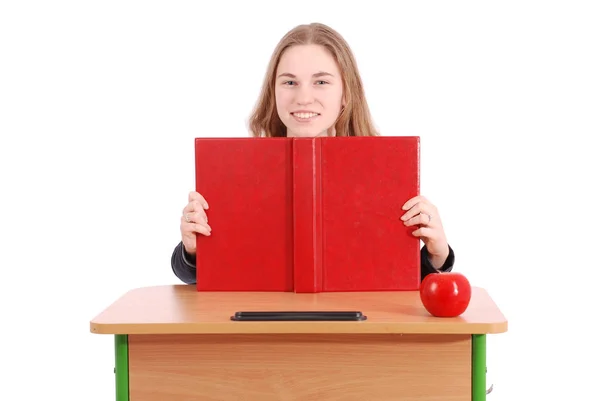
194, 220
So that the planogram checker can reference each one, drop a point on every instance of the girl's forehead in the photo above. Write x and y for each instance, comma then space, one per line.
307, 60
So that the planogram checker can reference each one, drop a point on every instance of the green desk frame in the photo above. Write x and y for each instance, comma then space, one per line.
479, 391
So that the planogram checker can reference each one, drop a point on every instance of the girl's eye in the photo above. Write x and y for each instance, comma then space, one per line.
289, 83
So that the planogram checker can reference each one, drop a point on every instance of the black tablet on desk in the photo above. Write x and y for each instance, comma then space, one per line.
273, 316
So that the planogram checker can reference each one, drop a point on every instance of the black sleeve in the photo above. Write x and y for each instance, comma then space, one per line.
184, 265
427, 268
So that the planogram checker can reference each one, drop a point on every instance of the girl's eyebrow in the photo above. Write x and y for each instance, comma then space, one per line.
317, 75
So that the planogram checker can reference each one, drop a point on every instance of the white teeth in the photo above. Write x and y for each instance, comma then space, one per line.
305, 115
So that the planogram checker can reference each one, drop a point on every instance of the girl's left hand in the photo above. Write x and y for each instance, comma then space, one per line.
422, 213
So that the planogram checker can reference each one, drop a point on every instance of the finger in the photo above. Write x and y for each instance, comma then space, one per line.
201, 228
422, 207
194, 219
424, 232
416, 210
193, 206
197, 197
430, 236
424, 219
412, 212
415, 206
190, 207
197, 217
413, 201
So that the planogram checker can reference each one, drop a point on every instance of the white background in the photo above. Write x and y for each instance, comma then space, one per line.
100, 103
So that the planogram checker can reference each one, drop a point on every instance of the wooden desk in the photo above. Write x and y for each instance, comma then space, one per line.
174, 343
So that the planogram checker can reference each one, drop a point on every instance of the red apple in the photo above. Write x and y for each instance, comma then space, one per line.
445, 294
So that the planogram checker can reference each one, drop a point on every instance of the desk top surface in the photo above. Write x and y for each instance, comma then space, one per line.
179, 309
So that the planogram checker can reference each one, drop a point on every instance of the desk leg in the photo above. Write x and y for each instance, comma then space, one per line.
122, 367
479, 367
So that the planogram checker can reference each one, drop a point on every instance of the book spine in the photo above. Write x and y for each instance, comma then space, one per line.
308, 252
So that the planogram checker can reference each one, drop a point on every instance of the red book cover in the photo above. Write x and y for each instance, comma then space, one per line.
246, 182
364, 183
307, 209
308, 214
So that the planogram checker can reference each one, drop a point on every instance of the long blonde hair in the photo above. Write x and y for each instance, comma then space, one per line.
355, 118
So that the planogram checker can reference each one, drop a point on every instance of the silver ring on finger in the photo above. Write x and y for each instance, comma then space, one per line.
429, 216
187, 218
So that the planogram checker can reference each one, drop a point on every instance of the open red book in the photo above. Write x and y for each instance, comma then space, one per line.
307, 214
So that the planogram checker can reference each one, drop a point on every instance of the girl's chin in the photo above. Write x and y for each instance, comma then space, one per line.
305, 133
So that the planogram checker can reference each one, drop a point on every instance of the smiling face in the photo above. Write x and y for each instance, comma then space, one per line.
308, 91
